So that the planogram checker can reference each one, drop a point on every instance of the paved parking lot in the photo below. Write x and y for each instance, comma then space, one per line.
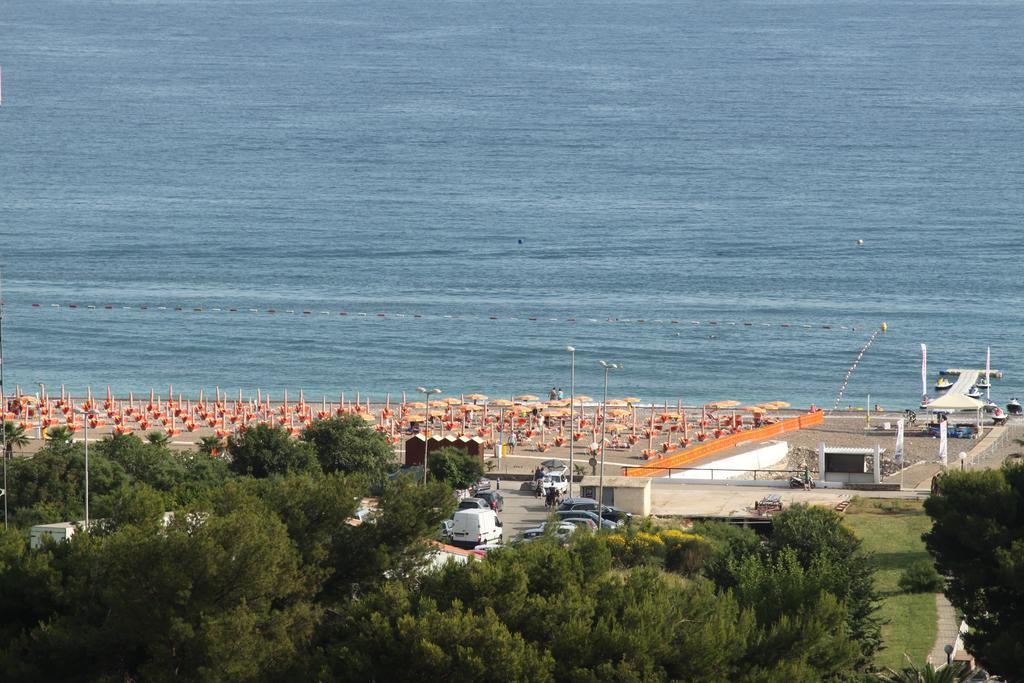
522, 509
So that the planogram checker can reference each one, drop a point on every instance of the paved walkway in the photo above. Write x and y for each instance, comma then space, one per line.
947, 630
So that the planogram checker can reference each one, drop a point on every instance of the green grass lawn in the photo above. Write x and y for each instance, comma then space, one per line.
892, 529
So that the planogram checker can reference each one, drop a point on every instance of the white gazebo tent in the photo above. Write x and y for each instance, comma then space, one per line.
958, 402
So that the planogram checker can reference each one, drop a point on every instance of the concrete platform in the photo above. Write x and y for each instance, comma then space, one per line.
695, 500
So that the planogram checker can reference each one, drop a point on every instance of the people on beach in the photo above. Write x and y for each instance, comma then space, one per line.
553, 394
560, 394
512, 441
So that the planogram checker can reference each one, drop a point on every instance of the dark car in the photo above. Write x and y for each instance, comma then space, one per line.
493, 498
586, 514
473, 504
590, 505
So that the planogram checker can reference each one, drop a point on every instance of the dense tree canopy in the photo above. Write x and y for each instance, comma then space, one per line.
978, 541
455, 467
347, 444
265, 450
261, 572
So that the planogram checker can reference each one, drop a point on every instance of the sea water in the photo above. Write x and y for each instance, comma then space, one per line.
607, 162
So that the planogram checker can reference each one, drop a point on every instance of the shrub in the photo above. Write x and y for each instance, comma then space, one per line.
684, 552
921, 577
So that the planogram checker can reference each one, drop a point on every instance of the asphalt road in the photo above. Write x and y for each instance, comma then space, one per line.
522, 509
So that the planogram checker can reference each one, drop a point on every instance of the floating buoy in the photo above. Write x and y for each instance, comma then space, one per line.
885, 327
860, 243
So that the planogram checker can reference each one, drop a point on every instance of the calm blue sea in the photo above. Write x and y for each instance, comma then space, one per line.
654, 159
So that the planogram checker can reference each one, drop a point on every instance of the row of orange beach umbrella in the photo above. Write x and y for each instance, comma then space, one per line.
544, 423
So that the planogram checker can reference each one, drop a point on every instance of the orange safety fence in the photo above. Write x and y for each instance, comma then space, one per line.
684, 457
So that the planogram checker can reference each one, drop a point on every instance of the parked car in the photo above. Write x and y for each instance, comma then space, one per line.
488, 547
446, 529
364, 515
581, 522
563, 531
473, 527
555, 480
493, 498
610, 511
587, 514
473, 504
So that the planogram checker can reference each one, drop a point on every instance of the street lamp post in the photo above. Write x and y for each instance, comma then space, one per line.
87, 414
427, 393
572, 413
604, 423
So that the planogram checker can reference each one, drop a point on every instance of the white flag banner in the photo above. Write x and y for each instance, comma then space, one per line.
924, 370
898, 453
943, 444
988, 369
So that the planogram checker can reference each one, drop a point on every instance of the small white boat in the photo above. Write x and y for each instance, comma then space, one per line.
983, 383
1014, 407
941, 384
974, 392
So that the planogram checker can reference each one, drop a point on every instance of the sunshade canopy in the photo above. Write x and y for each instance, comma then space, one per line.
956, 402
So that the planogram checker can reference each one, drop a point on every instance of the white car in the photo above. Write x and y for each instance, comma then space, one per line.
563, 531
554, 480
475, 527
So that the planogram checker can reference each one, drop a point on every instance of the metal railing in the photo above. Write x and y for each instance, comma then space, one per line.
724, 474
1013, 431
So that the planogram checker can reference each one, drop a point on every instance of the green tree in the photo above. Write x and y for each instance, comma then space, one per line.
15, 436
730, 546
211, 445
347, 444
394, 544
977, 540
265, 450
817, 534
211, 597
145, 461
921, 577
797, 608
157, 438
60, 435
315, 510
140, 506
29, 586
412, 639
201, 473
455, 467
954, 673
50, 486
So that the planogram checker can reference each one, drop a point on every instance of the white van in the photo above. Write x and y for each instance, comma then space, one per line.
474, 527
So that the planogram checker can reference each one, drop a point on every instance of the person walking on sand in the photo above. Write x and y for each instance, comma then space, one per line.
512, 441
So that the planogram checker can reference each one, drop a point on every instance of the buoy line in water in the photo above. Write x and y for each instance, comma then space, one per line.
427, 316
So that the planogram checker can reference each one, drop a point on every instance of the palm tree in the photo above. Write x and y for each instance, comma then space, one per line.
15, 436
59, 434
954, 673
211, 445
158, 438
